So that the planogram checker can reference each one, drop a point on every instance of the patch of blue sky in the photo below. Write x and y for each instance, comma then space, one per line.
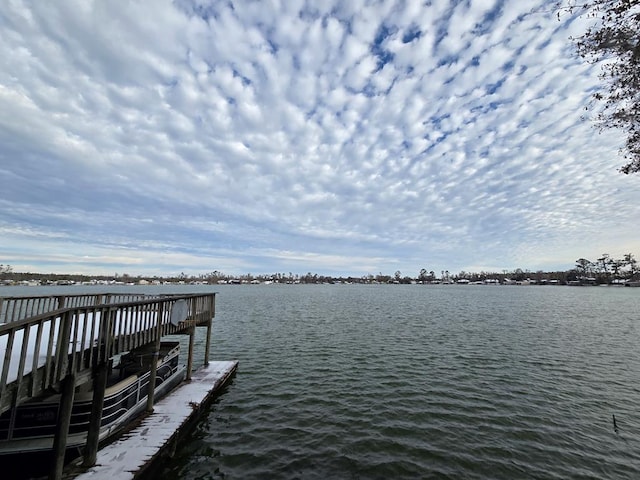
449, 80
484, 108
382, 54
437, 120
492, 88
246, 81
490, 18
412, 33
273, 46
205, 11
508, 66
443, 25
448, 60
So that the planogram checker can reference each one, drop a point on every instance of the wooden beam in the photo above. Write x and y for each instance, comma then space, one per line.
210, 314
93, 434
192, 332
207, 345
62, 427
154, 362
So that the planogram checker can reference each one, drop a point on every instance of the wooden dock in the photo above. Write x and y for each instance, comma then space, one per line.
58, 343
157, 434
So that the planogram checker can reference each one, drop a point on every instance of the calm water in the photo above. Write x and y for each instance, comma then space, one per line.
478, 382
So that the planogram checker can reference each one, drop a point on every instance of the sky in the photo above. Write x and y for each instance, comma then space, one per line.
334, 137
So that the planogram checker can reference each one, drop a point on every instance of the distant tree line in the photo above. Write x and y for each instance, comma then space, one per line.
603, 270
606, 269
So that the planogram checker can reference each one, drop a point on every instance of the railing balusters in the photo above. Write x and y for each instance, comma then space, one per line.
23, 360
79, 331
54, 327
36, 357
83, 339
6, 363
62, 348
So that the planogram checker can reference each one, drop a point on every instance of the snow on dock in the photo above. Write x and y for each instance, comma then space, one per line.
134, 451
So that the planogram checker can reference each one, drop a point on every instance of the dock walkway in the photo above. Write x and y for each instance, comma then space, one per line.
129, 456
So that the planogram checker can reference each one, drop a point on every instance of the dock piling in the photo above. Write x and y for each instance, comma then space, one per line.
93, 432
154, 361
207, 345
62, 426
192, 332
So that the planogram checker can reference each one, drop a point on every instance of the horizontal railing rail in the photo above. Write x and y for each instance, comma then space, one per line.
41, 350
17, 308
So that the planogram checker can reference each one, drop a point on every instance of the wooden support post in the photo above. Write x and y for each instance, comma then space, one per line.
211, 314
192, 332
62, 426
207, 345
93, 434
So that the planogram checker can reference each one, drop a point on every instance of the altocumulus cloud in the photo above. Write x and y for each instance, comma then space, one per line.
333, 137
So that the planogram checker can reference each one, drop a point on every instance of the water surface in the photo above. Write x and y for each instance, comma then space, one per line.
395, 381
423, 382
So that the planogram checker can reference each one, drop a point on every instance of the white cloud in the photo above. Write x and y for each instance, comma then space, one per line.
371, 136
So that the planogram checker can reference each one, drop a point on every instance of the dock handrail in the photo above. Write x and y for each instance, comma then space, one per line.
41, 350
14, 308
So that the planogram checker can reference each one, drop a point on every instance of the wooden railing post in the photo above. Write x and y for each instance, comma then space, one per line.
62, 349
6, 364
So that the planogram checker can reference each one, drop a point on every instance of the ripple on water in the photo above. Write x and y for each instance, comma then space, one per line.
422, 382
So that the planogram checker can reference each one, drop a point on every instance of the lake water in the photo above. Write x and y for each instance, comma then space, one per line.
411, 381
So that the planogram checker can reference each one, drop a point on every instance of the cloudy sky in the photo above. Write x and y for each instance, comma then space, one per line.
336, 137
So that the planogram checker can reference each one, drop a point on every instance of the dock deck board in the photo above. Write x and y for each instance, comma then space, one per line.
131, 454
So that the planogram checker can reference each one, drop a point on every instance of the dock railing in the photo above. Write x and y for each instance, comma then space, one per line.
17, 308
37, 352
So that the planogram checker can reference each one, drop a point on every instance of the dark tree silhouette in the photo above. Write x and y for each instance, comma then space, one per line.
613, 40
